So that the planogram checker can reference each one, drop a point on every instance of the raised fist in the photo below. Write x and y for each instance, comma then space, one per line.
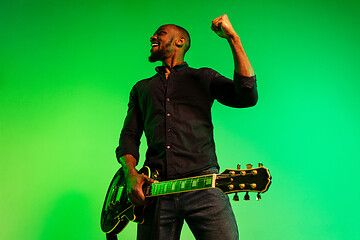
222, 27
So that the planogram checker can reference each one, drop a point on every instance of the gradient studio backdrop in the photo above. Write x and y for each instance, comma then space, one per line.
66, 69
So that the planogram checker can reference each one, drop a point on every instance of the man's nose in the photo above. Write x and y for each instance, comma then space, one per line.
153, 38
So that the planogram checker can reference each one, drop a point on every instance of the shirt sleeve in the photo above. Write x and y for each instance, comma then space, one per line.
131, 133
240, 92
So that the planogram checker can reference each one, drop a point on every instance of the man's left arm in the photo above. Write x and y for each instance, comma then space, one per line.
223, 28
242, 92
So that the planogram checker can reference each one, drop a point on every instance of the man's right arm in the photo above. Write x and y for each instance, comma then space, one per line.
127, 152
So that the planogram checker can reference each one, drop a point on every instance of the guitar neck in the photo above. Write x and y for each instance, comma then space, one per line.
180, 185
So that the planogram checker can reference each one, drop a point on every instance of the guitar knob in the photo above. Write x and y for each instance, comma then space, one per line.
258, 197
238, 166
260, 164
236, 197
249, 166
247, 197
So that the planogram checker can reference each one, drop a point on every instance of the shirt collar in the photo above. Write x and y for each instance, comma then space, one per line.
161, 69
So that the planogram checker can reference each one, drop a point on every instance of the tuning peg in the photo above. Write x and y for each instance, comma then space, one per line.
260, 164
238, 166
258, 197
247, 197
249, 166
236, 197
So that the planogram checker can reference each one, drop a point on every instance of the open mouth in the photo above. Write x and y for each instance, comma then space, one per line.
154, 45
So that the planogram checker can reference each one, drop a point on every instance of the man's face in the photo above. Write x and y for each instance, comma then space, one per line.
162, 43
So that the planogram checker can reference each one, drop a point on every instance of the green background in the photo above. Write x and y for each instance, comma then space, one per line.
66, 69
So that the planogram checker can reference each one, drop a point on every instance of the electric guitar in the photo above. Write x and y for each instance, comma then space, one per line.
118, 210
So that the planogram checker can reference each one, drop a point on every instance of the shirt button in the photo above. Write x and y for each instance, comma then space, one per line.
168, 99
168, 114
169, 130
168, 147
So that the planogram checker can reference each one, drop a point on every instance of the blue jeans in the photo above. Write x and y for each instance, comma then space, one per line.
208, 214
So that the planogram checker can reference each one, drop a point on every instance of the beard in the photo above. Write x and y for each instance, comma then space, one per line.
159, 54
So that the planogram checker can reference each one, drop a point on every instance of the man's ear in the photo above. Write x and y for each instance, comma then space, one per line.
180, 42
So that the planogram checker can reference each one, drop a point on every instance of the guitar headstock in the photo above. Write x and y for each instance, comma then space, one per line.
244, 180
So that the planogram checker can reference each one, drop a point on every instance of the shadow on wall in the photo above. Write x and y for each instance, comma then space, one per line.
69, 218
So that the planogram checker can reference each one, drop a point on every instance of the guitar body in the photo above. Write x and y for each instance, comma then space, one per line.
118, 209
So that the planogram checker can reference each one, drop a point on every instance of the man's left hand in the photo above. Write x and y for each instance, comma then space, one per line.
222, 27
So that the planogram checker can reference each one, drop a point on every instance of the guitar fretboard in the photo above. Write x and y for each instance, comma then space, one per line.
181, 185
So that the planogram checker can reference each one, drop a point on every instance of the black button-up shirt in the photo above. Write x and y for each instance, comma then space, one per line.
175, 115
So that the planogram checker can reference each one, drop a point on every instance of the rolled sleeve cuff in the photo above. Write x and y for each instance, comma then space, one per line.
243, 81
124, 149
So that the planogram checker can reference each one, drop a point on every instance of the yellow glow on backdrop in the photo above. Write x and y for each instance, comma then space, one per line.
66, 69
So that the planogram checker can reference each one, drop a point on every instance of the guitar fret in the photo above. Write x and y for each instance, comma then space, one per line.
188, 184
194, 183
181, 185
209, 181
158, 188
153, 189
168, 187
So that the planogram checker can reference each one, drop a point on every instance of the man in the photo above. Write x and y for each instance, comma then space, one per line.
173, 108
